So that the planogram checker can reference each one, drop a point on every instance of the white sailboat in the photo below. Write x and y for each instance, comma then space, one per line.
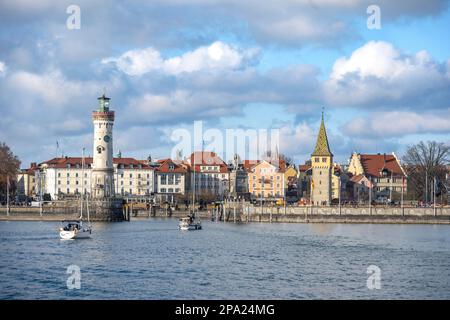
191, 222
73, 229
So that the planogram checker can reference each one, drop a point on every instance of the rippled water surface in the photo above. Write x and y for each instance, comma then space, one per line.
151, 259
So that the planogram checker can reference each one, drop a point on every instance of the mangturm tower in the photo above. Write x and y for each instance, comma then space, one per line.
102, 165
322, 167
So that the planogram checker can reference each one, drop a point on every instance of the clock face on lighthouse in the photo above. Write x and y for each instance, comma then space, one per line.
106, 138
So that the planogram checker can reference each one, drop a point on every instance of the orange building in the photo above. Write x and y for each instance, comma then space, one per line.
266, 179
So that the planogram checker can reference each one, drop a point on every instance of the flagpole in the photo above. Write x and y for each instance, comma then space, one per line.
7, 194
370, 195
434, 195
401, 201
339, 183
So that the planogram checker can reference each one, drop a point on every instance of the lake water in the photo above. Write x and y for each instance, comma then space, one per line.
151, 259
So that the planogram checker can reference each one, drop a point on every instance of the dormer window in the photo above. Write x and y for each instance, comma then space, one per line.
171, 166
68, 166
131, 166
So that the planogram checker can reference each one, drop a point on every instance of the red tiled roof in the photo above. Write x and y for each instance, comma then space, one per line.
177, 167
207, 158
304, 167
357, 178
249, 164
374, 164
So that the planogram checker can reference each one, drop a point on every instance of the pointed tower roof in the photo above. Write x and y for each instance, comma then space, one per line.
322, 146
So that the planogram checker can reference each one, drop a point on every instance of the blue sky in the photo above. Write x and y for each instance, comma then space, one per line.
229, 63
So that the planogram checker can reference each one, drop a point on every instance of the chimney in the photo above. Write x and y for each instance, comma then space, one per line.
33, 164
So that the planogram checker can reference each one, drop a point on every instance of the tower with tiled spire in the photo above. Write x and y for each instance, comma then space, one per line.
322, 167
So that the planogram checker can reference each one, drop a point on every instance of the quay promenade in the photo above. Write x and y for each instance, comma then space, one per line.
244, 212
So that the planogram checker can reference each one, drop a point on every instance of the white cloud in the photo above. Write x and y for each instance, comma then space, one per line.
397, 124
217, 56
2, 68
378, 74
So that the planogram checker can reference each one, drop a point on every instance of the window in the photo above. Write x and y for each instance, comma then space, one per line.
59, 182
163, 190
76, 182
68, 174
163, 179
131, 183
85, 175
316, 159
121, 175
59, 175
177, 179
131, 175
131, 166
148, 183
324, 159
121, 183
170, 190
139, 176
68, 182
148, 176
131, 191
278, 177
68, 190
177, 190
170, 179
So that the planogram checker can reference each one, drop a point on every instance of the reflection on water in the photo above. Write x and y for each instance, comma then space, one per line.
151, 259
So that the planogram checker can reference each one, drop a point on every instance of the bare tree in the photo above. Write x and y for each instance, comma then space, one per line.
9, 166
424, 162
288, 160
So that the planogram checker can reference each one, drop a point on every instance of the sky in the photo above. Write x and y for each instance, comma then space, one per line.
250, 65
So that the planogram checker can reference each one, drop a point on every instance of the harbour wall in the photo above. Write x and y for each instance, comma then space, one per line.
248, 213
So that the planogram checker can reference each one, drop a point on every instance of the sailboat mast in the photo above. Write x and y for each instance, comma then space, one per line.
193, 192
82, 183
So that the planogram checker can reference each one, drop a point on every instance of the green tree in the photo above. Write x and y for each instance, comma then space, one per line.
9, 166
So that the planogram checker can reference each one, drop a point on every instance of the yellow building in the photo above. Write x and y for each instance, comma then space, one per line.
322, 167
26, 182
291, 184
266, 180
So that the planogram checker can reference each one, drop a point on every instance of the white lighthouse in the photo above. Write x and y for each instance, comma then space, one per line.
102, 165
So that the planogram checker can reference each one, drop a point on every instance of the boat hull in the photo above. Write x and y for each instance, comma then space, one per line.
190, 227
75, 234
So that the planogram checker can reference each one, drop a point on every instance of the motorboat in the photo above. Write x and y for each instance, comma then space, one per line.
73, 229
189, 223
